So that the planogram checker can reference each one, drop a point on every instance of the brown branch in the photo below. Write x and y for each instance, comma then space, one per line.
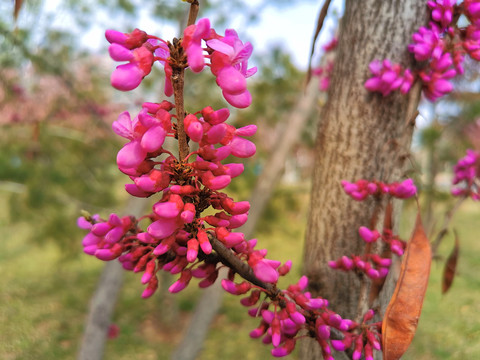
228, 258
179, 63
192, 14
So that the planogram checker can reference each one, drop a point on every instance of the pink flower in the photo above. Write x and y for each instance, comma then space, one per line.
466, 172
472, 42
131, 40
388, 77
427, 43
192, 37
229, 63
472, 10
435, 79
442, 11
128, 76
403, 190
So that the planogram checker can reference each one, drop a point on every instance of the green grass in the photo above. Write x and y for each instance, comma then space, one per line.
44, 299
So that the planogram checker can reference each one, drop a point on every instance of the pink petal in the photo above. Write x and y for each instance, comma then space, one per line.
231, 81
134, 190
126, 77
221, 46
195, 58
119, 53
123, 126
153, 139
240, 101
216, 133
168, 210
162, 228
265, 273
131, 155
248, 130
242, 148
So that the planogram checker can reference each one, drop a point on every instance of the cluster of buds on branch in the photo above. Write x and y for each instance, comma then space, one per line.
466, 176
182, 235
440, 50
373, 265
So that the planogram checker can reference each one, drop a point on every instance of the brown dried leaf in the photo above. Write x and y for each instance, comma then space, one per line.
16, 10
450, 266
402, 314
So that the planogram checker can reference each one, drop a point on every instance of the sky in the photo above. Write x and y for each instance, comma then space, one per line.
291, 26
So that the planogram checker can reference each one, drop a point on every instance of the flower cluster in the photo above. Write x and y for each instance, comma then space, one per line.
440, 49
467, 172
361, 189
364, 342
288, 312
389, 77
374, 265
189, 187
228, 57
191, 229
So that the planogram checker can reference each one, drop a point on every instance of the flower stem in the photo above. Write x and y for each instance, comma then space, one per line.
192, 14
178, 83
228, 258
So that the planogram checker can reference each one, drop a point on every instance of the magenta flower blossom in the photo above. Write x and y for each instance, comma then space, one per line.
466, 174
435, 80
442, 11
146, 133
128, 76
388, 77
472, 42
141, 51
192, 38
229, 63
361, 189
427, 43
129, 41
472, 11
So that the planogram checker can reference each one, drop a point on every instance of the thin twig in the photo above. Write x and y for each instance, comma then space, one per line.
178, 80
320, 20
192, 15
443, 231
228, 258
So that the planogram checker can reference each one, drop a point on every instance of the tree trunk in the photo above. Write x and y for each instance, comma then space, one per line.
361, 135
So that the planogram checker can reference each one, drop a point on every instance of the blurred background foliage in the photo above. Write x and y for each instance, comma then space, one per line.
58, 157
58, 153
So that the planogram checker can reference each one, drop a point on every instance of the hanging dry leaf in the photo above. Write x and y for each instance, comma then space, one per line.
16, 10
402, 314
450, 267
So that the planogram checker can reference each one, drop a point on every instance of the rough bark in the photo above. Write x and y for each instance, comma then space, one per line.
360, 135
103, 301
